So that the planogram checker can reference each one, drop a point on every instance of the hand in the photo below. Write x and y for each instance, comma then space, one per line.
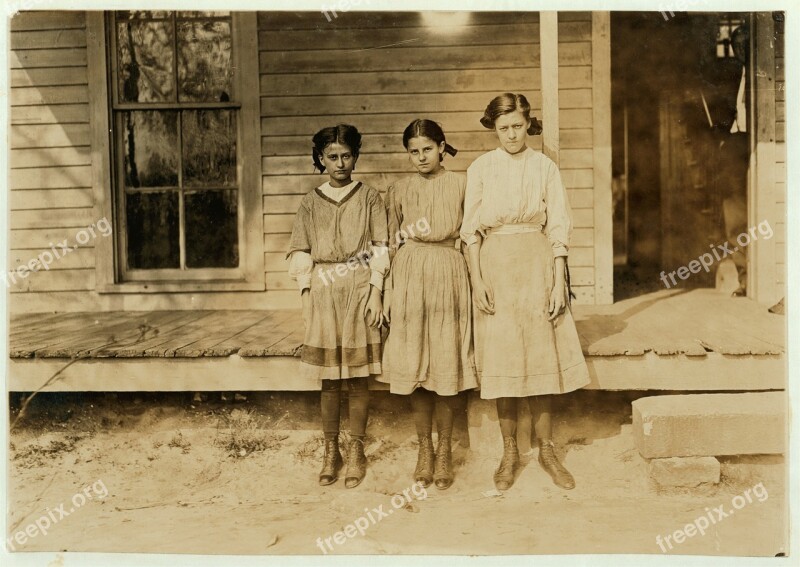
482, 296
558, 300
306, 299
373, 312
387, 306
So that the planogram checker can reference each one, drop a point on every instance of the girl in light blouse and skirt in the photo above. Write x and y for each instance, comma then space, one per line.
517, 225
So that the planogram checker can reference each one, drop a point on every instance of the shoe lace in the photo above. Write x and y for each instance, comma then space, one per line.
547, 452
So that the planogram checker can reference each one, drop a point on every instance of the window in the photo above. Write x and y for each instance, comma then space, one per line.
725, 35
186, 198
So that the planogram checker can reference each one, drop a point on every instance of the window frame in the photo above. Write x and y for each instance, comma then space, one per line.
249, 276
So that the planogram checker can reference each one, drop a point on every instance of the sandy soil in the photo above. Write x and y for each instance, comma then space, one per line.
175, 485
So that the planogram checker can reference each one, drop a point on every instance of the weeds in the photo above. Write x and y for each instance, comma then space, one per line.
35, 454
180, 442
244, 433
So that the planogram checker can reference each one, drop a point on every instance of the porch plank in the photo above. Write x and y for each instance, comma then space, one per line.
94, 335
665, 328
269, 332
21, 323
255, 332
716, 328
291, 344
222, 326
165, 329
284, 340
55, 332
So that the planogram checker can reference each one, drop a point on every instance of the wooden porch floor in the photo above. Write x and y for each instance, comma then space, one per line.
664, 327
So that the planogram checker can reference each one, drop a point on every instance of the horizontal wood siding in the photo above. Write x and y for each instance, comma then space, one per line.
50, 163
780, 160
576, 143
379, 72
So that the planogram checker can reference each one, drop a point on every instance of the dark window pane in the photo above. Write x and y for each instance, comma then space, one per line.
146, 61
150, 148
204, 61
153, 230
137, 14
203, 14
212, 235
209, 148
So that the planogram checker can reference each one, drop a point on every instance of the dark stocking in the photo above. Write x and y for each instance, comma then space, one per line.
445, 406
507, 415
358, 399
330, 402
541, 409
422, 403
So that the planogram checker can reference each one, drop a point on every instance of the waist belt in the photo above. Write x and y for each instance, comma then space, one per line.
515, 228
449, 243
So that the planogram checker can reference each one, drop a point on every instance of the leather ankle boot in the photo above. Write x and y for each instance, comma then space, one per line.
356, 464
504, 475
550, 463
443, 475
423, 474
331, 463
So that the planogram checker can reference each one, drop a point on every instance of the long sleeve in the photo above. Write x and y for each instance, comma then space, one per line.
473, 198
300, 262
394, 213
378, 265
558, 227
300, 267
379, 258
300, 239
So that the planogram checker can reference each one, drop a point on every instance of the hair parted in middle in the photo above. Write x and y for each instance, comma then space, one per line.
507, 103
344, 134
422, 127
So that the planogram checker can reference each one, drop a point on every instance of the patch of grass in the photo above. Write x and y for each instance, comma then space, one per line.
311, 449
180, 442
35, 454
244, 434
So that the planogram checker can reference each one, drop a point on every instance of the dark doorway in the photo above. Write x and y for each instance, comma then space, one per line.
680, 145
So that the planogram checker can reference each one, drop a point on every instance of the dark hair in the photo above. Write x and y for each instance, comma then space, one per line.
422, 127
507, 103
340, 134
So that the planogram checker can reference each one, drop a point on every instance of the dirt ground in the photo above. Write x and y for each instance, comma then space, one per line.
240, 478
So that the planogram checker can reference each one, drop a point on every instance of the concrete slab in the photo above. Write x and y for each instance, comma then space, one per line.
710, 424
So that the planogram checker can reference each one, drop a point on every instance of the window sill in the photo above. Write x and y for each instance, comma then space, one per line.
180, 287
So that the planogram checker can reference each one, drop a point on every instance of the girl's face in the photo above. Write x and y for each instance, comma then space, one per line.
339, 162
425, 154
512, 131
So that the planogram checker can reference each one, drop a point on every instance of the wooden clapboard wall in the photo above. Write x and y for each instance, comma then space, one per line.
780, 161
379, 71
50, 178
576, 158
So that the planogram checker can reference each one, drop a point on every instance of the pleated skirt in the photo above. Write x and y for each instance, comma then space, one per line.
338, 342
430, 337
520, 353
